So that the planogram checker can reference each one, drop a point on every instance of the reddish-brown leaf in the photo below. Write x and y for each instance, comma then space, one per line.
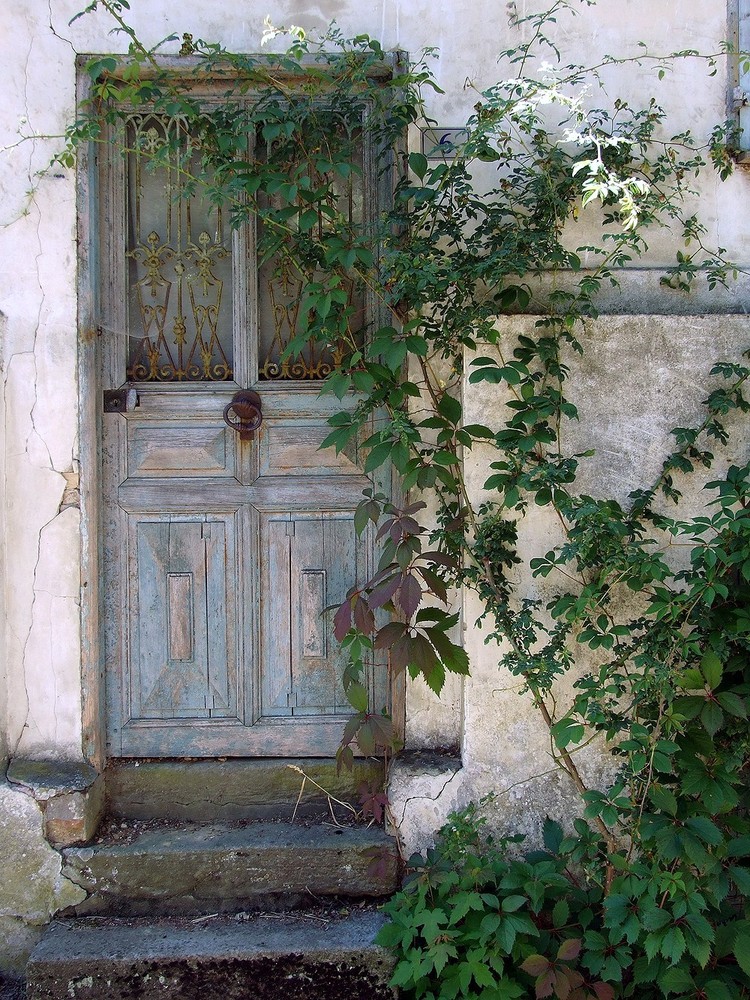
562, 985
569, 949
604, 991
400, 654
381, 859
373, 801
435, 584
536, 965
441, 559
409, 526
545, 984
382, 728
350, 729
409, 594
344, 759
342, 621
364, 619
384, 528
414, 507
389, 634
366, 738
385, 591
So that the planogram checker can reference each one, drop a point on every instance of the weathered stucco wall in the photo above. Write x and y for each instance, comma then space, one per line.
640, 377
632, 386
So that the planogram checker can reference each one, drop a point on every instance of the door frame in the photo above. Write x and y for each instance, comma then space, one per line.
90, 429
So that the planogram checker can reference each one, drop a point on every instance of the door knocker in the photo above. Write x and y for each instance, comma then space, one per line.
243, 413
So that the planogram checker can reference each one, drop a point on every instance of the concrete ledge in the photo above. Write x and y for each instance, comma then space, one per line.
70, 795
294, 958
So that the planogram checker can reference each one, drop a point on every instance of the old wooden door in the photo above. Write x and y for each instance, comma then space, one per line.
221, 552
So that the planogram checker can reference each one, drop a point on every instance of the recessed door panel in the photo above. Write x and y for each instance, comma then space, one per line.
306, 562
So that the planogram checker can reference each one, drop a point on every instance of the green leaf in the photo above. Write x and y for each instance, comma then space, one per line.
560, 913
739, 847
97, 67
552, 835
708, 832
715, 989
450, 408
567, 732
673, 944
418, 164
356, 695
655, 919
732, 704
378, 456
479, 430
482, 975
712, 717
692, 680
742, 949
307, 220
404, 974
676, 980
664, 799
454, 658
712, 669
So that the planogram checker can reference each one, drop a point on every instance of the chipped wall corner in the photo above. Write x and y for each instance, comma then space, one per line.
33, 887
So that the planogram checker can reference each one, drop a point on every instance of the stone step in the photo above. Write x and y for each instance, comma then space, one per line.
216, 791
294, 958
224, 869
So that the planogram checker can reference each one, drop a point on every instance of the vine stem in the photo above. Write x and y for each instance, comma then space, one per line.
561, 756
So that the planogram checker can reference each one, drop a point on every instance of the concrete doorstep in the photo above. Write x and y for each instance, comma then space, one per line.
281, 957
217, 868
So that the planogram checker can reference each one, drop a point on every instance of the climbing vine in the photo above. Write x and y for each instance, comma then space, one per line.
646, 892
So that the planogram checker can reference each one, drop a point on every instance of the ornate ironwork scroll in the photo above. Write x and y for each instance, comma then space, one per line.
179, 260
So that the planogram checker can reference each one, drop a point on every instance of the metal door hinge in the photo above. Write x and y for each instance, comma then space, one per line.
120, 400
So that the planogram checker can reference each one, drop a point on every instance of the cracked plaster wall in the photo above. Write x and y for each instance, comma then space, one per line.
39, 359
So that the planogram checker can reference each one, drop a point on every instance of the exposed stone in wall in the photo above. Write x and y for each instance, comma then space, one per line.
32, 888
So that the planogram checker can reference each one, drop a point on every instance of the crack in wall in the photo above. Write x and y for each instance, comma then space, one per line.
24, 138
426, 797
24, 654
37, 453
54, 30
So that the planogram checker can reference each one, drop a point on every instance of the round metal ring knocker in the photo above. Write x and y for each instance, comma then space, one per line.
243, 414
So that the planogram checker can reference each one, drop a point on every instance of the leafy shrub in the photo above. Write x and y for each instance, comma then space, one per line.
476, 919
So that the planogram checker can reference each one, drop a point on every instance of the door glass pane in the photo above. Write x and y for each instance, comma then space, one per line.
281, 282
179, 261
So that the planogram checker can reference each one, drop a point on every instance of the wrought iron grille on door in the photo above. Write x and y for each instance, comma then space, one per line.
181, 254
